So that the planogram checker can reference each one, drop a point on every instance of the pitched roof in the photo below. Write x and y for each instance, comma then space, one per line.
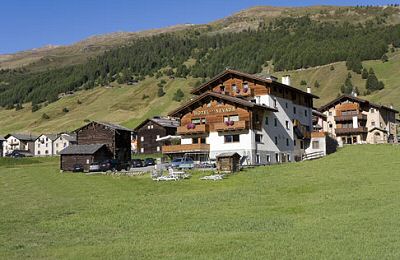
317, 113
109, 125
199, 89
230, 154
355, 99
23, 137
82, 149
164, 122
52, 137
209, 94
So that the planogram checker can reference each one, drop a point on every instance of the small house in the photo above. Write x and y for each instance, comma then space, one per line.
83, 154
152, 129
44, 145
21, 142
228, 162
63, 140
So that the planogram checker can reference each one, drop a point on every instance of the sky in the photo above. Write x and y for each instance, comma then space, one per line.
27, 24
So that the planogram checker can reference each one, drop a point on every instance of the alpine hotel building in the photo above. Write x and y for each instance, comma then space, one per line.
261, 119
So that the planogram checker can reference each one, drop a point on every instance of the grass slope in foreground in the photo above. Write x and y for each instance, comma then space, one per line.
342, 206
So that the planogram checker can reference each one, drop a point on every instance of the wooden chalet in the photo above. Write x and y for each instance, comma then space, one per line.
152, 129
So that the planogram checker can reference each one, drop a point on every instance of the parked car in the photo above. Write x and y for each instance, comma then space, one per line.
78, 168
19, 154
180, 163
137, 163
94, 167
149, 161
114, 165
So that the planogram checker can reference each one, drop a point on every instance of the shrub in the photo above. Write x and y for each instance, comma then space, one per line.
45, 116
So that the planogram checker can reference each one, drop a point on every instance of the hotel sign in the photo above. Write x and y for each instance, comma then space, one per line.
213, 111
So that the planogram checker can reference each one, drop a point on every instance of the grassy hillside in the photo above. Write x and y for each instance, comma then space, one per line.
331, 80
124, 104
343, 207
121, 104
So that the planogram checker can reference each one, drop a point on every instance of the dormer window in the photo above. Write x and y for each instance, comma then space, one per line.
222, 88
235, 88
245, 87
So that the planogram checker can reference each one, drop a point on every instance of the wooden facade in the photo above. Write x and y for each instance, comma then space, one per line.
116, 138
148, 132
67, 161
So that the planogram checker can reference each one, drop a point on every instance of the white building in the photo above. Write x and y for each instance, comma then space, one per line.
19, 142
44, 145
259, 118
62, 141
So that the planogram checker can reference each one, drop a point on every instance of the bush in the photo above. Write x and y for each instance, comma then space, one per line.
160, 92
65, 110
45, 116
178, 96
35, 107
144, 96
18, 106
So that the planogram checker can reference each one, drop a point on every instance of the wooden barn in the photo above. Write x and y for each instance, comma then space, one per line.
116, 138
228, 162
83, 154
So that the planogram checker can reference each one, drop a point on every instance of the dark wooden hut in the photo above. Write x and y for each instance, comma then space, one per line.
228, 162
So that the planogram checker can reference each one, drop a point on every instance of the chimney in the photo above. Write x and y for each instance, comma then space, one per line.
286, 80
308, 89
354, 93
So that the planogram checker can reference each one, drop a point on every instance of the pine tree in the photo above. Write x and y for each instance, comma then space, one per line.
178, 95
160, 92
316, 84
364, 73
384, 58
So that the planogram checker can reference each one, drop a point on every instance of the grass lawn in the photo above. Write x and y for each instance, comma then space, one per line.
343, 206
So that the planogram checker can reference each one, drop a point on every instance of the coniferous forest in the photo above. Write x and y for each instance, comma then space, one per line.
285, 44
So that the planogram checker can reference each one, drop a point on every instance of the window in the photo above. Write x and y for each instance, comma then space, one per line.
373, 123
275, 122
330, 113
258, 159
287, 141
158, 136
305, 113
65, 144
158, 148
47, 145
231, 138
234, 118
152, 126
268, 158
57, 145
287, 124
258, 138
202, 140
276, 140
142, 138
46, 152
294, 142
301, 145
294, 110
148, 127
38, 145
286, 105
266, 120
315, 144
196, 121
372, 110
142, 150
277, 157
288, 157
275, 102
234, 88
38, 152
195, 140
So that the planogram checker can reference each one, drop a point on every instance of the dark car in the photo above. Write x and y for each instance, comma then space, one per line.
149, 161
19, 154
78, 168
137, 163
113, 165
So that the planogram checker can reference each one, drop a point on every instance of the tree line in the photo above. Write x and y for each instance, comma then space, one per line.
285, 44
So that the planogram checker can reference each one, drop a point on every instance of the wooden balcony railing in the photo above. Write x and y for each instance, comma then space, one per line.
237, 125
198, 129
185, 148
350, 117
345, 131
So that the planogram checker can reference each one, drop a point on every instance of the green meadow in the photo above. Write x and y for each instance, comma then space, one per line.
344, 206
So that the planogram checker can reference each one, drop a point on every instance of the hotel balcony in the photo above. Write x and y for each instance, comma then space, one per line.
185, 148
198, 129
237, 126
347, 131
350, 117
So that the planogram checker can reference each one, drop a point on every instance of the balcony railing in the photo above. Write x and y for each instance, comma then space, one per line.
236, 126
198, 129
344, 131
350, 117
185, 148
